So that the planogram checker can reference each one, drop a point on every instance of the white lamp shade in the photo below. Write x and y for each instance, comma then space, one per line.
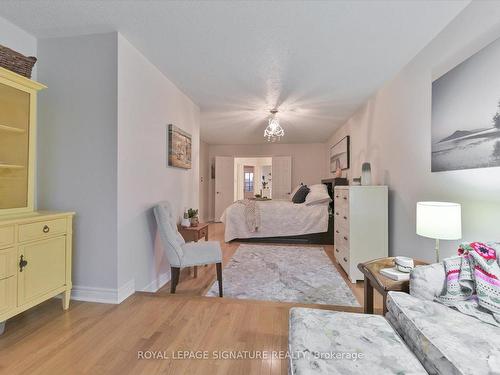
439, 220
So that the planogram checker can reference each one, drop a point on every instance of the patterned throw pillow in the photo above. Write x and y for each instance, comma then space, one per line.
301, 194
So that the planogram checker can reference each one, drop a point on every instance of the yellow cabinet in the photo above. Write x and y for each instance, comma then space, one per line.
7, 262
7, 295
37, 264
43, 270
35, 247
17, 141
6, 236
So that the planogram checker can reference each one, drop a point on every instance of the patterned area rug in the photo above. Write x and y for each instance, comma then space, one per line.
285, 274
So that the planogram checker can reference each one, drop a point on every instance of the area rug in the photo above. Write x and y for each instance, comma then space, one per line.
285, 274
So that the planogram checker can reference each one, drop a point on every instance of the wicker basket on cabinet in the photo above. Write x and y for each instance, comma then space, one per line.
16, 62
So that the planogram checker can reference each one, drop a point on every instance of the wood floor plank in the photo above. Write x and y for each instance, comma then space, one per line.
94, 338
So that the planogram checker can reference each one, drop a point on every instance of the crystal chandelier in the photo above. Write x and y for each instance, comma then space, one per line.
274, 131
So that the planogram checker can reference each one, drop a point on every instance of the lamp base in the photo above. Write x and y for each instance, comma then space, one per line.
437, 250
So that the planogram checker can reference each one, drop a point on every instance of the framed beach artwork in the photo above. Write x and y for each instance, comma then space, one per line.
179, 148
466, 114
339, 155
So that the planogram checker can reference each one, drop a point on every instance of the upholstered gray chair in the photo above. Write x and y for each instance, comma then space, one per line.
181, 254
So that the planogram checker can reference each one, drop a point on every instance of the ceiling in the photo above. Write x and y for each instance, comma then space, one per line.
318, 62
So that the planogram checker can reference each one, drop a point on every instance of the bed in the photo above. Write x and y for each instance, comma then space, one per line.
283, 221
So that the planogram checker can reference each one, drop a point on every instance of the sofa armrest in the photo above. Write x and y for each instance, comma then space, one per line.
426, 282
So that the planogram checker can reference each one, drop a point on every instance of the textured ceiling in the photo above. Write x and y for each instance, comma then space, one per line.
316, 61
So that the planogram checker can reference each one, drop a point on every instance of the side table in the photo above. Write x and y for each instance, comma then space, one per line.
383, 285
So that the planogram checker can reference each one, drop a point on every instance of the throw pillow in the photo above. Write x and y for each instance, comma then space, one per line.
301, 194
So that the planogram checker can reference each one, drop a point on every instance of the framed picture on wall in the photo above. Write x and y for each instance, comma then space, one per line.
465, 128
179, 148
339, 154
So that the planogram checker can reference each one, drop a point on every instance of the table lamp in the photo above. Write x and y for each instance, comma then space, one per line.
439, 220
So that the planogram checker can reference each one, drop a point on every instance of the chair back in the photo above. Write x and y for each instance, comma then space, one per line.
170, 236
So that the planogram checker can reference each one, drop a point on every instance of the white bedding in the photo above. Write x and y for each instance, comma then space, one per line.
278, 218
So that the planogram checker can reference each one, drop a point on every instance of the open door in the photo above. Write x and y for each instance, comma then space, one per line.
224, 184
282, 177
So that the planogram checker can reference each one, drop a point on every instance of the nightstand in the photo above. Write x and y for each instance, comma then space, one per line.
383, 285
194, 233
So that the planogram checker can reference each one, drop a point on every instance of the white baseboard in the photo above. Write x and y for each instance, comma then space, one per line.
156, 284
126, 290
103, 295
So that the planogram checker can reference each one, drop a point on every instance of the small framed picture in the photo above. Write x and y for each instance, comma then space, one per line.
179, 148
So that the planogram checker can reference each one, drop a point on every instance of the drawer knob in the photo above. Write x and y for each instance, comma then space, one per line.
336, 196
345, 198
345, 217
22, 263
336, 213
345, 238
337, 250
46, 229
345, 259
337, 231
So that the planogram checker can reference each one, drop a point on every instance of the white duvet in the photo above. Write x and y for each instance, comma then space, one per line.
278, 218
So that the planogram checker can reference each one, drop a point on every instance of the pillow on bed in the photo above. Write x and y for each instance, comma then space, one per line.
292, 194
318, 194
301, 194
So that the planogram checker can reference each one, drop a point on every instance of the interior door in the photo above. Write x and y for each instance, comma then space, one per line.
282, 177
224, 184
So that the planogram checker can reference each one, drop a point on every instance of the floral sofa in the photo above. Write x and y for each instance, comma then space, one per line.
443, 340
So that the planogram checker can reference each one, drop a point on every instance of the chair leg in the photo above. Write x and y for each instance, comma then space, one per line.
174, 271
219, 277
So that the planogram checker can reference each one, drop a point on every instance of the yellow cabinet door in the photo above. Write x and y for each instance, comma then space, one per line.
7, 294
45, 269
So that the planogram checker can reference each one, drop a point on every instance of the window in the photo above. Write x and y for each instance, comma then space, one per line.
248, 182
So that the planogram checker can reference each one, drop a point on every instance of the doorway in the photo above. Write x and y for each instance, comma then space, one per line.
253, 178
248, 181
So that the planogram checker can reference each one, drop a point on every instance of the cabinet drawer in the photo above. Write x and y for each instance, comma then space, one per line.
203, 233
41, 229
7, 294
6, 236
8, 262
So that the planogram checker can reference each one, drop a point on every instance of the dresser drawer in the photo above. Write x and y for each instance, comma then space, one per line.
8, 261
6, 236
41, 229
342, 256
8, 296
344, 261
344, 195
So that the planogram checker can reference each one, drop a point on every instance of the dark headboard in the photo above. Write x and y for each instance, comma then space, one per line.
331, 183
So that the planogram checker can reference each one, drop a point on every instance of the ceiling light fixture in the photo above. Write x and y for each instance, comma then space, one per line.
274, 131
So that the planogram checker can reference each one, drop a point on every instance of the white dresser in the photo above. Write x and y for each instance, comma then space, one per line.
360, 226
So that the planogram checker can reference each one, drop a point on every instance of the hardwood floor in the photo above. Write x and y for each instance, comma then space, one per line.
93, 338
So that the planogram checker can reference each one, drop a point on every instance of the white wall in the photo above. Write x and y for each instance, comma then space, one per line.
15, 38
103, 153
393, 132
147, 103
308, 161
77, 147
